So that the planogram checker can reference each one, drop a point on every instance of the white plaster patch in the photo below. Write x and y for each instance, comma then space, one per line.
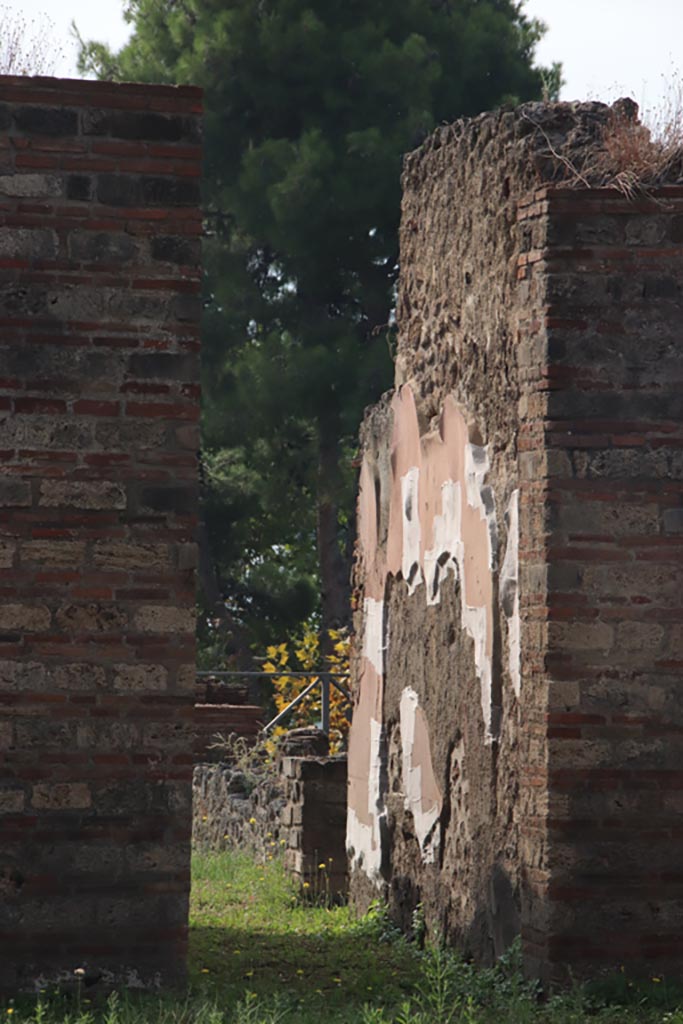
364, 842
373, 634
425, 818
475, 622
446, 554
509, 592
410, 560
479, 494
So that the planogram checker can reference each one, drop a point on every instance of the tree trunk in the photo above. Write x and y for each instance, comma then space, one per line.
335, 587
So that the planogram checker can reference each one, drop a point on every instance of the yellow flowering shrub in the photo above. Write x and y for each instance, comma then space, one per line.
303, 655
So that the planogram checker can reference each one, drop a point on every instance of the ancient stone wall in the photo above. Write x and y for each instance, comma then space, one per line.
518, 576
239, 807
610, 474
99, 350
314, 820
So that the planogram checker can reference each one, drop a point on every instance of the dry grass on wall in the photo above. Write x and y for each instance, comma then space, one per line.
626, 153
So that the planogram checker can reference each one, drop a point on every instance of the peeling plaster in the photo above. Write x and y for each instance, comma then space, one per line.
441, 526
373, 635
446, 555
364, 837
410, 561
509, 592
422, 795
366, 810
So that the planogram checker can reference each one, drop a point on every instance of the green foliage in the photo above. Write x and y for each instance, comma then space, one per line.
309, 657
268, 563
309, 109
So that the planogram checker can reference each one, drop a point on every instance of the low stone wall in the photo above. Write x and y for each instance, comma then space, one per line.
233, 809
314, 820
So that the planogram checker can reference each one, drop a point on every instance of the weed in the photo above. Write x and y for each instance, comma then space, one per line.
626, 153
439, 990
633, 157
255, 761
372, 1015
418, 925
251, 1010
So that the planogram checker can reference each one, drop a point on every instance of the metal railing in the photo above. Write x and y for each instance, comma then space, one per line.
323, 679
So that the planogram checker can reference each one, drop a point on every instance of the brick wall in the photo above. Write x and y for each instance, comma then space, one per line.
610, 470
223, 709
212, 720
99, 343
313, 822
514, 759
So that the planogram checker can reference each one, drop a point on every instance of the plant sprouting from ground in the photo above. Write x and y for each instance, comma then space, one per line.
254, 760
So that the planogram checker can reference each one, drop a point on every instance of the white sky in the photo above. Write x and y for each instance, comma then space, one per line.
613, 48
609, 48
96, 19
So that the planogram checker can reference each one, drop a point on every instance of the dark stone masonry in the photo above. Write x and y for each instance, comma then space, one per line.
99, 400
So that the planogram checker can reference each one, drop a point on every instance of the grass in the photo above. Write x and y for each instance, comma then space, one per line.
250, 932
258, 956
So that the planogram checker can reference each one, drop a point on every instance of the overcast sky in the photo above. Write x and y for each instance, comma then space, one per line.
609, 48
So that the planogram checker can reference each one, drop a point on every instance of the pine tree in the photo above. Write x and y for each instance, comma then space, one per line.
310, 105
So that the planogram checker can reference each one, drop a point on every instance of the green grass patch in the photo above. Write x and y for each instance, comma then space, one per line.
260, 956
251, 933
